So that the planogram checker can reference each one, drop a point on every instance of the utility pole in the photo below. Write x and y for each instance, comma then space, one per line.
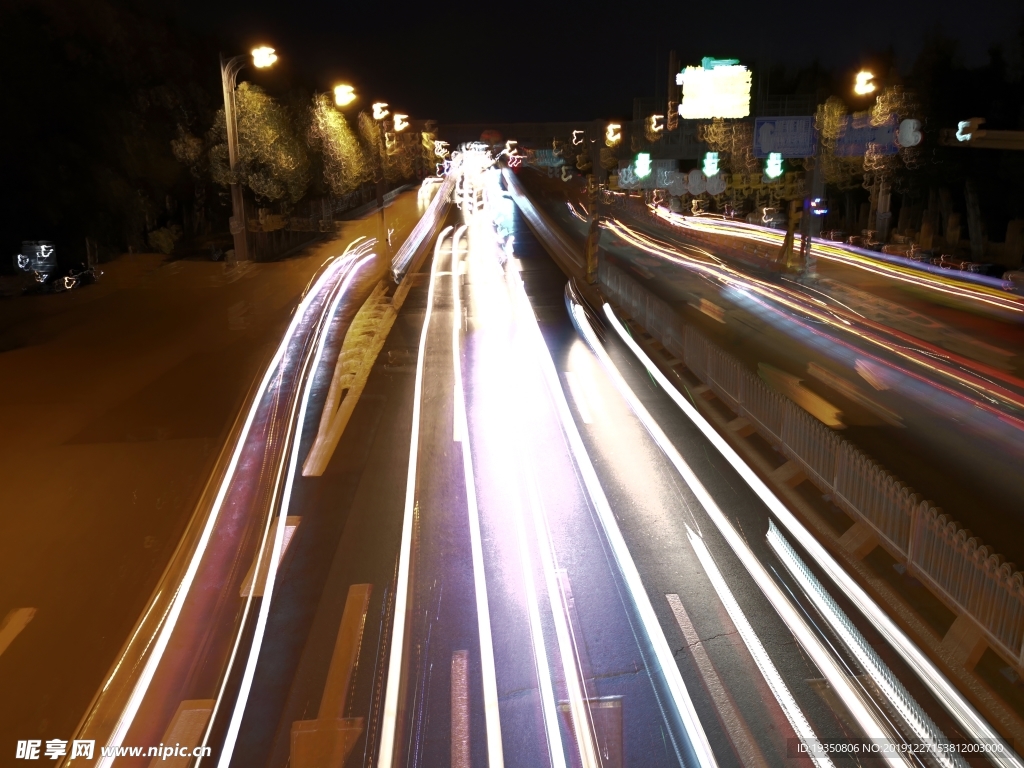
262, 57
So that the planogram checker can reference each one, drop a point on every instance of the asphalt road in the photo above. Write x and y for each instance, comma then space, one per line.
117, 399
943, 445
655, 509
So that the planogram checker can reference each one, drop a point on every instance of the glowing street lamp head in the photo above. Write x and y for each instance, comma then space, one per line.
613, 135
862, 84
344, 95
380, 110
401, 122
263, 56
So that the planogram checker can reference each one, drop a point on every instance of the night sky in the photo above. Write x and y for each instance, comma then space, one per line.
559, 60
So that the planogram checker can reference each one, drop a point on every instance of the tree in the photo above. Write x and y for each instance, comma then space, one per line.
345, 163
272, 157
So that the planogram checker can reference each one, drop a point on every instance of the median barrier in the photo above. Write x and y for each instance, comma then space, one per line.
956, 567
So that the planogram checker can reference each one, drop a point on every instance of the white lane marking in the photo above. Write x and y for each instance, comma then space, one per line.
14, 622
631, 576
776, 685
809, 641
578, 396
295, 429
389, 717
495, 757
944, 692
261, 582
460, 710
739, 732
173, 611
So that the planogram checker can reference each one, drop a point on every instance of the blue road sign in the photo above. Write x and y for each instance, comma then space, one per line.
859, 133
789, 136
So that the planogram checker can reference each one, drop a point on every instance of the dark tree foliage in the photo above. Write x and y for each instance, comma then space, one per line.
95, 91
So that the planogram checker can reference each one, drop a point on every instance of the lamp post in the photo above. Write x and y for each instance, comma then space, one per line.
229, 69
380, 113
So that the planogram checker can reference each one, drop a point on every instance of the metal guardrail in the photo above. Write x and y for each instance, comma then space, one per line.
920, 725
956, 566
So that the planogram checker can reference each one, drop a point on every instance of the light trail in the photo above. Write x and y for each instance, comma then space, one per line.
917, 277
865, 718
357, 252
495, 757
973, 724
173, 612
924, 729
242, 699
796, 717
698, 742
833, 317
389, 716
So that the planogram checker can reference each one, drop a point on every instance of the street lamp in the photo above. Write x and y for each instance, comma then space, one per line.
344, 95
862, 84
380, 112
262, 57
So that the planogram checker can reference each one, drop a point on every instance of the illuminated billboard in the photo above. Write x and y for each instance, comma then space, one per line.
718, 88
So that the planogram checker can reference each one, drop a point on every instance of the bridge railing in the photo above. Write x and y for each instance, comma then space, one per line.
956, 566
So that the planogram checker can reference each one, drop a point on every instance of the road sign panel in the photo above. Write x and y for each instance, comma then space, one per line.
859, 133
789, 136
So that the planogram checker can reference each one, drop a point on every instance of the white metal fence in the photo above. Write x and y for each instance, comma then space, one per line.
961, 571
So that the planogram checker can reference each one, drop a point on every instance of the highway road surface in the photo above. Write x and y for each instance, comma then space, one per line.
463, 522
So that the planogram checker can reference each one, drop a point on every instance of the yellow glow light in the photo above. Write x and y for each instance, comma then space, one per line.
613, 135
401, 122
263, 56
657, 123
344, 95
862, 86
380, 110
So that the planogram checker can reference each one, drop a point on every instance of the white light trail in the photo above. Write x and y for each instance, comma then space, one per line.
495, 758
796, 624
764, 663
924, 729
948, 696
627, 567
131, 708
242, 699
389, 717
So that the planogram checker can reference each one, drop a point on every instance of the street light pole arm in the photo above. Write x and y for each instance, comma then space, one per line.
229, 70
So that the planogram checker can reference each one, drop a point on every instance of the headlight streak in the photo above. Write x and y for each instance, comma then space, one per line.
764, 308
973, 724
429, 220
495, 758
389, 717
359, 251
805, 636
502, 423
875, 265
663, 653
181, 594
242, 699
764, 663
924, 729
733, 278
